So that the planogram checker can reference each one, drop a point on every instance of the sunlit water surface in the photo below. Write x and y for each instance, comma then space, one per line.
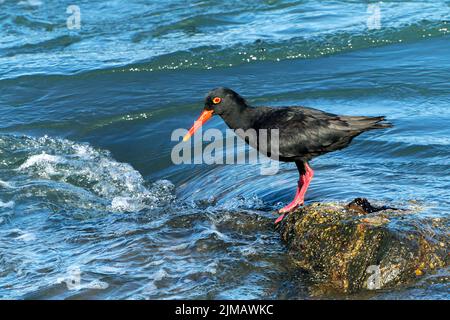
88, 190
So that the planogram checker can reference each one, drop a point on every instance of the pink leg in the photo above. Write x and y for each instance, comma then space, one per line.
299, 199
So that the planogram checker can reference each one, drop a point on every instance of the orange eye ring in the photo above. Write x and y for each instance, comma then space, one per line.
217, 100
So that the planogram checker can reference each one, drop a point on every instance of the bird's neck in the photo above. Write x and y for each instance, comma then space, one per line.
239, 118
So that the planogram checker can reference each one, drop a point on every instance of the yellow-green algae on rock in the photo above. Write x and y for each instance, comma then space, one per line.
348, 248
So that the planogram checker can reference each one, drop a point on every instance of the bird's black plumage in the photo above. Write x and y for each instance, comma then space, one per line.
304, 133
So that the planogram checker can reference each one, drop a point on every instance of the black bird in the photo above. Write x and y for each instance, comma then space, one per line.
304, 133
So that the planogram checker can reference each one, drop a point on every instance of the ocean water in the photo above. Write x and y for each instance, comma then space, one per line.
91, 205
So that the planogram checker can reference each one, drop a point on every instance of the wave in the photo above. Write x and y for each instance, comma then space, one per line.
208, 57
33, 23
229, 55
80, 176
58, 43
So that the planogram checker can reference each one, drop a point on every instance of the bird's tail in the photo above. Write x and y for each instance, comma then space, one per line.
367, 123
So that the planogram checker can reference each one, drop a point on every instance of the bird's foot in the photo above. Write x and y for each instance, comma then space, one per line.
299, 200
289, 208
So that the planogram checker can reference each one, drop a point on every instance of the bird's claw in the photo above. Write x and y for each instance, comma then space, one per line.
279, 219
285, 210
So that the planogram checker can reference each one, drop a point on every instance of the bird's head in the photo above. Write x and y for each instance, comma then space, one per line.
219, 101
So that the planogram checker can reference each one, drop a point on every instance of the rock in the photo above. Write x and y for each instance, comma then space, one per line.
348, 248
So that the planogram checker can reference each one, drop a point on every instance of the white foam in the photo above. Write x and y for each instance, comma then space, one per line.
212, 268
128, 204
95, 285
159, 275
95, 171
27, 237
4, 184
84, 150
213, 230
74, 281
8, 205
32, 3
248, 251
240, 202
40, 159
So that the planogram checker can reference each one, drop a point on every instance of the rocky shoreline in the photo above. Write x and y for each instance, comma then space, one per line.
354, 247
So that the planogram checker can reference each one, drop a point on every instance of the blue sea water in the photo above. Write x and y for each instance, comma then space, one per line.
88, 190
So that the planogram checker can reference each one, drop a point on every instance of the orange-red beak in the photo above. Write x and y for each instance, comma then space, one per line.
205, 116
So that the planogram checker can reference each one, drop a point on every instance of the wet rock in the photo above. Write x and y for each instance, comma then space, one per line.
348, 248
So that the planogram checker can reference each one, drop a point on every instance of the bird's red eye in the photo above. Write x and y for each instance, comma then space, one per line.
217, 100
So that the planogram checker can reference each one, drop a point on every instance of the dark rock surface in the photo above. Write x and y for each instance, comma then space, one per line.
348, 248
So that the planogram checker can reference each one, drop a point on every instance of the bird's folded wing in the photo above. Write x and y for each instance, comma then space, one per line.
308, 132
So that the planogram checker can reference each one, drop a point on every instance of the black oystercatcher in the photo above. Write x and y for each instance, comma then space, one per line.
304, 133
